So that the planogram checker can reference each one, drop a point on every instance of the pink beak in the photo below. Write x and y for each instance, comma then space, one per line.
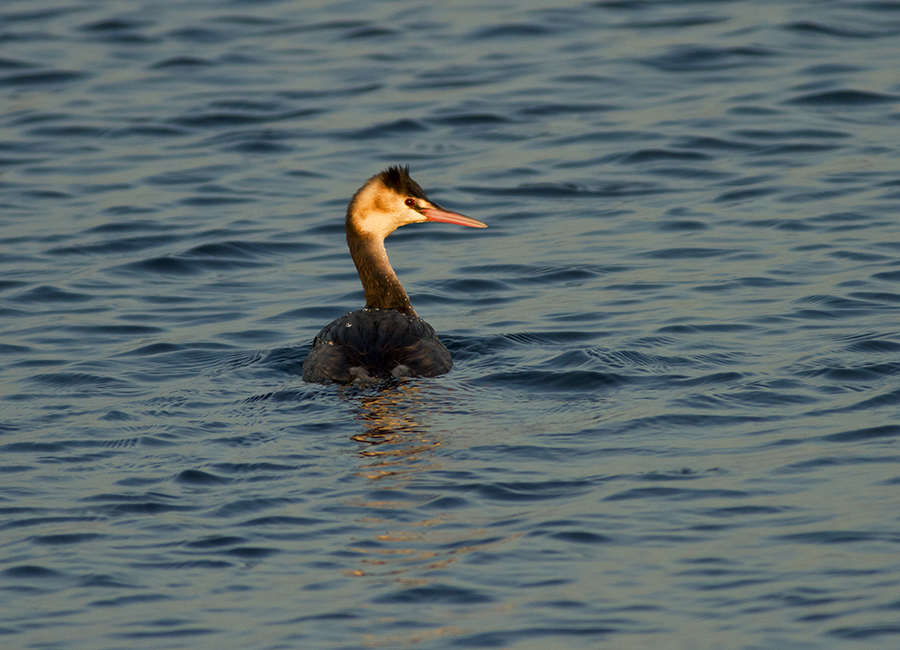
438, 213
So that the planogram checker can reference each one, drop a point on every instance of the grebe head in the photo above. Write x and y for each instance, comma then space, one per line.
392, 199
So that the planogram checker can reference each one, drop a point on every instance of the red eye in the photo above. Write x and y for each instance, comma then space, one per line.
410, 202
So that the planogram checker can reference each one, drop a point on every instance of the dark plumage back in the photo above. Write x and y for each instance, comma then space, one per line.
375, 343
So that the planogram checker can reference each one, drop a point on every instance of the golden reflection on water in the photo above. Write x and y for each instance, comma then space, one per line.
393, 430
399, 447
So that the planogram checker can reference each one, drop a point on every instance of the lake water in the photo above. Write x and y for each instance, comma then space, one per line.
674, 416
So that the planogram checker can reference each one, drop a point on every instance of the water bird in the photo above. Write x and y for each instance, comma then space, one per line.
387, 338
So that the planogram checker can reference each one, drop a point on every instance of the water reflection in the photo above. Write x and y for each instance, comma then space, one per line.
405, 549
397, 442
391, 418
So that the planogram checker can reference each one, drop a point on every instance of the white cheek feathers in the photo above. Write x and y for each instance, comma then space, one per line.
378, 211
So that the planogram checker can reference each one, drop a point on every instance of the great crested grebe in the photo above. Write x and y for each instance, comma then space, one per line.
387, 338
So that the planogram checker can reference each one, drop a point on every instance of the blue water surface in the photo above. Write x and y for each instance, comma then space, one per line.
673, 416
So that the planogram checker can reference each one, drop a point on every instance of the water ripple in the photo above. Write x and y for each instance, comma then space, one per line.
675, 346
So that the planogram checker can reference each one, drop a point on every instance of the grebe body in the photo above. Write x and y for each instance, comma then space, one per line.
386, 339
